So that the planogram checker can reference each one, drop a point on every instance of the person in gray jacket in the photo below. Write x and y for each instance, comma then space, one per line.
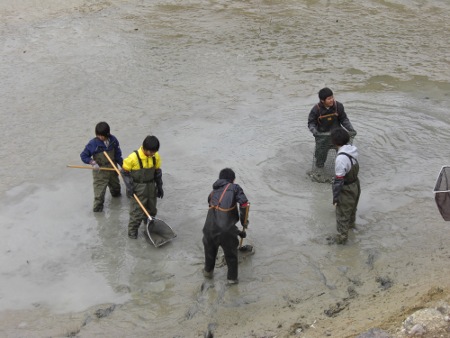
325, 116
346, 187
220, 228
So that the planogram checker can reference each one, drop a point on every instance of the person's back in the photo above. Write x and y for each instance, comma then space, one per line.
223, 202
346, 186
220, 226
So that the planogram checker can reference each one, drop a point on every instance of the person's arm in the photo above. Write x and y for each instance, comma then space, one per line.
338, 183
128, 163
127, 166
344, 120
86, 154
117, 152
158, 161
244, 206
158, 176
312, 121
159, 183
243, 214
342, 166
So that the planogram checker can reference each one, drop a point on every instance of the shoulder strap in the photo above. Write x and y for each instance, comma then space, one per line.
335, 113
349, 156
223, 193
217, 207
220, 199
139, 159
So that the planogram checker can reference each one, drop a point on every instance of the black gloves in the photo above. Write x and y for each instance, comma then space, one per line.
128, 180
160, 191
242, 234
159, 183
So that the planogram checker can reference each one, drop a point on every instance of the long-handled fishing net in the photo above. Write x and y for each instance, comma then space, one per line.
442, 192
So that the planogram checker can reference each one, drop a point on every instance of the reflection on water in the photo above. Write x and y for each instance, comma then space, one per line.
220, 84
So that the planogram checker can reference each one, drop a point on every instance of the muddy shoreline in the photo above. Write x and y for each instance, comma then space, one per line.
384, 312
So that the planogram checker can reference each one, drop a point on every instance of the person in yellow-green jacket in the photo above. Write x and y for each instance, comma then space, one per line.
142, 175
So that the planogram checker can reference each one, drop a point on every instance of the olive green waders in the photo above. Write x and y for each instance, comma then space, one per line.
103, 179
145, 189
323, 144
346, 208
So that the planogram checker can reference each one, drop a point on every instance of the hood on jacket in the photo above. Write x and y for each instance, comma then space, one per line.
343, 164
349, 149
220, 183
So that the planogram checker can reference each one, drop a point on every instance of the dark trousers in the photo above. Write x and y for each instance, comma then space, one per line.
101, 181
229, 244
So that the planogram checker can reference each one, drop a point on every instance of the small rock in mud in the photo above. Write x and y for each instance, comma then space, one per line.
385, 282
374, 333
352, 292
335, 309
424, 320
297, 328
100, 313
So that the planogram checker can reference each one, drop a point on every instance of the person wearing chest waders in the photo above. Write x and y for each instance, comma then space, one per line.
220, 228
346, 187
325, 116
93, 154
142, 175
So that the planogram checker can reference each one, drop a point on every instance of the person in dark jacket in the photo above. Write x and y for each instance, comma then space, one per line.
220, 228
325, 116
346, 187
142, 175
93, 155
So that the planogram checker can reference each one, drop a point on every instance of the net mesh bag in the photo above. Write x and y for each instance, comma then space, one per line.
442, 192
158, 232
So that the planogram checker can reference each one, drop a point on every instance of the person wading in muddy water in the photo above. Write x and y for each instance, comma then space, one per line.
93, 155
346, 187
143, 176
324, 117
220, 226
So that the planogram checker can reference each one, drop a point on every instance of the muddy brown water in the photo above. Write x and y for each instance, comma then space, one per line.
222, 84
